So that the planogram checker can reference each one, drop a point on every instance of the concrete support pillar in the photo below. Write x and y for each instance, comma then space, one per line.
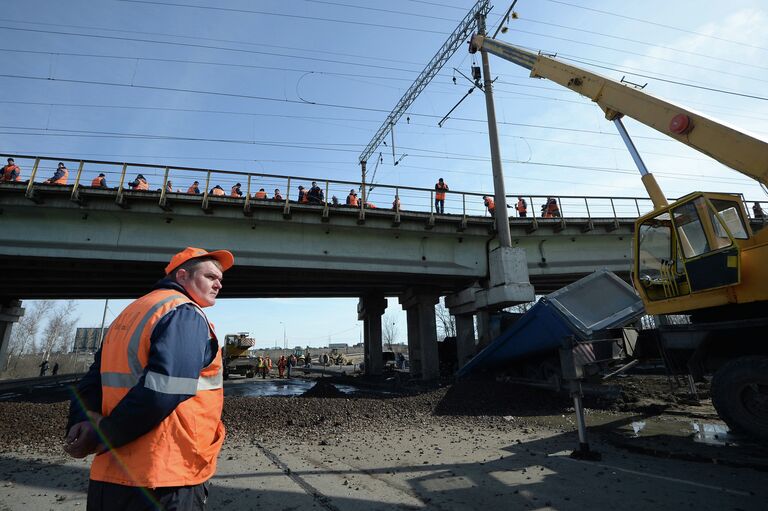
414, 342
369, 309
422, 331
483, 329
10, 312
465, 338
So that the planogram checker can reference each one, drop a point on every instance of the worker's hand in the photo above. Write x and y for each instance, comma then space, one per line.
82, 439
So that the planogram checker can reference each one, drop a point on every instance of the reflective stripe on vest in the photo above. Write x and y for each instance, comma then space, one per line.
182, 449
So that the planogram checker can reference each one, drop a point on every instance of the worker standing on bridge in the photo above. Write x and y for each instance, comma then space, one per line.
315, 194
218, 191
440, 189
140, 183
303, 196
396, 203
169, 186
194, 189
521, 207
236, 192
758, 211
99, 181
59, 177
278, 196
352, 198
150, 405
261, 194
489, 204
10, 172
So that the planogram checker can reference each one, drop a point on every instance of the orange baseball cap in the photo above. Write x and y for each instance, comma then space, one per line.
224, 257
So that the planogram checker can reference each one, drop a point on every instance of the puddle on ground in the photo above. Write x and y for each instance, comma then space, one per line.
712, 434
281, 388
708, 433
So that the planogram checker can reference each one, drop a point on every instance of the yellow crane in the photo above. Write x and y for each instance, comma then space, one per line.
696, 256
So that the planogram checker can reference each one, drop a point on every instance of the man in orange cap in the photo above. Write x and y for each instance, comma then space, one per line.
150, 405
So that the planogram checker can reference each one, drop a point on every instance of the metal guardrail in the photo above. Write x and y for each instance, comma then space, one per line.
380, 196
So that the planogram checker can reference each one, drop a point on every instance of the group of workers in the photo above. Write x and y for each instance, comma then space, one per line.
550, 209
521, 206
284, 365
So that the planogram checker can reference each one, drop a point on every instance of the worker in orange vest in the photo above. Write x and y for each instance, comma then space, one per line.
521, 207
352, 199
440, 189
218, 191
489, 204
150, 405
194, 188
60, 176
99, 181
10, 172
236, 192
140, 183
303, 195
277, 196
261, 194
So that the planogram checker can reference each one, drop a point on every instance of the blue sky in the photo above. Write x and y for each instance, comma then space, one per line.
299, 87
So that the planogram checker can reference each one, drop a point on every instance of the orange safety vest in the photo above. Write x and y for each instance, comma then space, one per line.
182, 449
63, 179
521, 206
143, 185
218, 192
262, 195
8, 169
552, 209
97, 182
490, 204
440, 195
352, 200
304, 197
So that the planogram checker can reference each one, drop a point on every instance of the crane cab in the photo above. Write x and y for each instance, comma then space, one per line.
688, 255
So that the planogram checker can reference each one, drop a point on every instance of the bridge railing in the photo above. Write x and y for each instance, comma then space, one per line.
169, 181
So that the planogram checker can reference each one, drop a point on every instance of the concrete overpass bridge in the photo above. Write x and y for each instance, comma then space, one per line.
76, 241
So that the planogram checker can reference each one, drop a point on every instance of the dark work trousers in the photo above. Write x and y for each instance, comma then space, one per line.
440, 206
116, 497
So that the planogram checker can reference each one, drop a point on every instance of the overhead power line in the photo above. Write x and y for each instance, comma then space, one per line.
662, 25
284, 15
457, 37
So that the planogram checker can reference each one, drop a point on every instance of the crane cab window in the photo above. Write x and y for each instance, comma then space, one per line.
729, 213
655, 246
659, 267
690, 229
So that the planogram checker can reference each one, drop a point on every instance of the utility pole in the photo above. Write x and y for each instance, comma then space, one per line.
500, 194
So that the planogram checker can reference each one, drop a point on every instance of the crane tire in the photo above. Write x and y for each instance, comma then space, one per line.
740, 395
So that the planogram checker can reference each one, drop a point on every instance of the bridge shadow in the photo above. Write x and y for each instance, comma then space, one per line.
531, 474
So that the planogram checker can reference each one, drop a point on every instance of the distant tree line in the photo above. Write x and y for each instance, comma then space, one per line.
46, 327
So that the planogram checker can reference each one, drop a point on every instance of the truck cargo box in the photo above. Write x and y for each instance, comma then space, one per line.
597, 302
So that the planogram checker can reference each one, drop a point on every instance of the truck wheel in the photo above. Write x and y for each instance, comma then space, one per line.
740, 395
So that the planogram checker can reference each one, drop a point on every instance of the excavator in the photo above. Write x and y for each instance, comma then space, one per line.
697, 256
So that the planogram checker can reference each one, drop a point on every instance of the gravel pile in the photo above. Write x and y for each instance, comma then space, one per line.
40, 426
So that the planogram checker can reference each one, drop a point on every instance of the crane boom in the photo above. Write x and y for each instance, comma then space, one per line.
731, 147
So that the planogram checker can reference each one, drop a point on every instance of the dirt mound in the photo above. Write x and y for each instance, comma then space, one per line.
323, 389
